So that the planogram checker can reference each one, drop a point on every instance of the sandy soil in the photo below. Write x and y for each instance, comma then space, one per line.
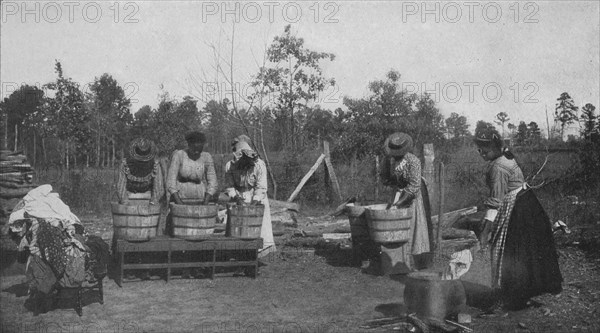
298, 290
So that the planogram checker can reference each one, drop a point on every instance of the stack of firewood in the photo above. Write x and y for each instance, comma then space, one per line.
16, 179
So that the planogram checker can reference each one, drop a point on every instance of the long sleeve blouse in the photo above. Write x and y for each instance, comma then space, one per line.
191, 178
250, 184
153, 182
503, 176
404, 173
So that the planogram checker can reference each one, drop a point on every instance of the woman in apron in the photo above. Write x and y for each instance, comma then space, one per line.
191, 180
523, 255
140, 181
246, 177
402, 171
192, 176
140, 176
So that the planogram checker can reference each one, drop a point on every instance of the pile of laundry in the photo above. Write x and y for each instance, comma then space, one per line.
60, 251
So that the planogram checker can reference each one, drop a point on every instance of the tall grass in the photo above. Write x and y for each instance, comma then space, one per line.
90, 190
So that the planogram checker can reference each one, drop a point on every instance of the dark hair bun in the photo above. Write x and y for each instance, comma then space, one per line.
195, 137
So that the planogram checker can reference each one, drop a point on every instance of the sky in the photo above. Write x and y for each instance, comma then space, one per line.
475, 58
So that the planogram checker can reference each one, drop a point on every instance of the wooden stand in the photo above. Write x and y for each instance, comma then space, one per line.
170, 245
79, 296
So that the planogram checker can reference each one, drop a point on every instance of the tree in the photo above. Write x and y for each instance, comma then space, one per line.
66, 113
483, 126
534, 133
512, 128
502, 117
295, 76
361, 130
565, 112
589, 119
111, 117
457, 125
23, 115
522, 133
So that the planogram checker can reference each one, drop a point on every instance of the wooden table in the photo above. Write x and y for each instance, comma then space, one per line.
170, 245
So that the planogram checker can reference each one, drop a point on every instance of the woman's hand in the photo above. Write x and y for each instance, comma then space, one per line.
207, 198
405, 200
177, 198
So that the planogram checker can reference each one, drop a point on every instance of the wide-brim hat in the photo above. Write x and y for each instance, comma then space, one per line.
398, 144
142, 149
243, 148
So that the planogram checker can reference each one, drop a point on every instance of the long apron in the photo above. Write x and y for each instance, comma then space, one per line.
266, 230
419, 236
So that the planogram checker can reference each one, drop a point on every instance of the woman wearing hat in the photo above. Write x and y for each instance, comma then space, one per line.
523, 255
192, 175
246, 177
402, 170
140, 175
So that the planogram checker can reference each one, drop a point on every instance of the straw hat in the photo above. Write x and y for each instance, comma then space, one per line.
142, 149
488, 137
398, 144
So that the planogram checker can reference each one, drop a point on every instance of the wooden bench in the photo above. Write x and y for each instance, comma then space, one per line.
170, 245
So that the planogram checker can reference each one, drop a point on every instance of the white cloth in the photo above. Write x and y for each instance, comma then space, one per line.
460, 263
41, 202
491, 214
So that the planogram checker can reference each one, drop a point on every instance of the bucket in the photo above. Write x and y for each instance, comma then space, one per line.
431, 297
193, 222
135, 222
389, 225
363, 247
244, 221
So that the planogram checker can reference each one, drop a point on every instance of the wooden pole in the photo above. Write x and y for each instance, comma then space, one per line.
442, 175
330, 170
306, 178
429, 189
376, 179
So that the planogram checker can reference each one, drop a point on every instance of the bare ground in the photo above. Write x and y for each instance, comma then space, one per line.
303, 290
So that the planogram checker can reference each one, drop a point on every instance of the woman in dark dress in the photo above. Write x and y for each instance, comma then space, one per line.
523, 255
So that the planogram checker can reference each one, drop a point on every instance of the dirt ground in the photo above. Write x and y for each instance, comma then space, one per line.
303, 289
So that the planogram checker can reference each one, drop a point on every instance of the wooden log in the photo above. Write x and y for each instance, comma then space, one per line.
15, 192
306, 178
278, 204
450, 217
453, 233
5, 184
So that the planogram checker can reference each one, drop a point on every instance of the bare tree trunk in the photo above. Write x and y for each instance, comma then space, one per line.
112, 162
97, 147
105, 164
67, 154
44, 150
376, 178
16, 136
5, 142
34, 149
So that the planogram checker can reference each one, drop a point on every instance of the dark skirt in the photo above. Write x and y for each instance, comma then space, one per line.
530, 262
